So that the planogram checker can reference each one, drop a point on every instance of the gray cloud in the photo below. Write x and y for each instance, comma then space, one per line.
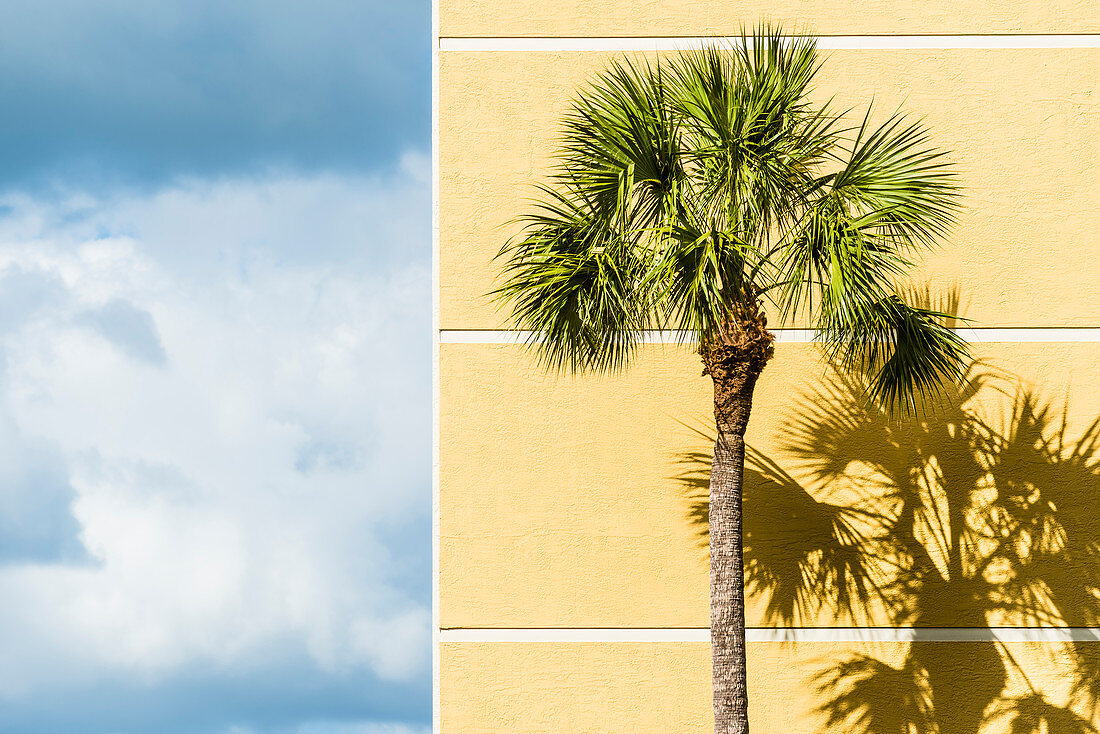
286, 696
129, 328
24, 293
143, 92
36, 520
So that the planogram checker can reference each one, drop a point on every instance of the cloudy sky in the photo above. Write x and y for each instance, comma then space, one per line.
214, 367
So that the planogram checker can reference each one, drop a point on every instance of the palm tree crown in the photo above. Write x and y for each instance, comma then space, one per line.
691, 192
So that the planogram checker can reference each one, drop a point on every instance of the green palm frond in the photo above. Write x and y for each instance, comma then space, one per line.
896, 185
621, 144
907, 350
688, 191
833, 267
697, 269
576, 283
752, 138
894, 194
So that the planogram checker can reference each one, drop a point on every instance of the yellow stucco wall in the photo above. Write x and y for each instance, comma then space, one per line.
488, 18
1022, 125
664, 687
559, 499
561, 503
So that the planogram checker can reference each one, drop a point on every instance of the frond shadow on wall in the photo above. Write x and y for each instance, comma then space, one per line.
956, 518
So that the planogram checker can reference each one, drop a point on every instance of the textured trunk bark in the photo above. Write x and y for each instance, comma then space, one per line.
727, 587
734, 362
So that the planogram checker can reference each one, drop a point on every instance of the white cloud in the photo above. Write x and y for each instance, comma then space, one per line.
236, 382
364, 728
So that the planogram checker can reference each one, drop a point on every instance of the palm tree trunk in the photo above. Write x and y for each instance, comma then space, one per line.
734, 365
727, 586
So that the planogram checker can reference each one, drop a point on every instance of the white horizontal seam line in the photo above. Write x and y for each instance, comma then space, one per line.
853, 42
784, 634
979, 335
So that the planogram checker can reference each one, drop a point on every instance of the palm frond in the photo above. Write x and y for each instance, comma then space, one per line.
577, 285
621, 145
907, 351
832, 265
687, 191
896, 184
753, 138
703, 273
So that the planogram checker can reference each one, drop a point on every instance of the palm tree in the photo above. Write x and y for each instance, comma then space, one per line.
689, 194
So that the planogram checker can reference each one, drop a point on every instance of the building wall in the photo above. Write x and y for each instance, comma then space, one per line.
572, 574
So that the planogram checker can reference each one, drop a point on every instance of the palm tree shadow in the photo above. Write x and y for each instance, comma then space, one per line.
954, 518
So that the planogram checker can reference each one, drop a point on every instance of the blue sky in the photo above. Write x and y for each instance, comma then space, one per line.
214, 402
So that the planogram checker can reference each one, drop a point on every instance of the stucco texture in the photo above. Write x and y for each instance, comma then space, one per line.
664, 687
460, 18
579, 501
1022, 125
564, 501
